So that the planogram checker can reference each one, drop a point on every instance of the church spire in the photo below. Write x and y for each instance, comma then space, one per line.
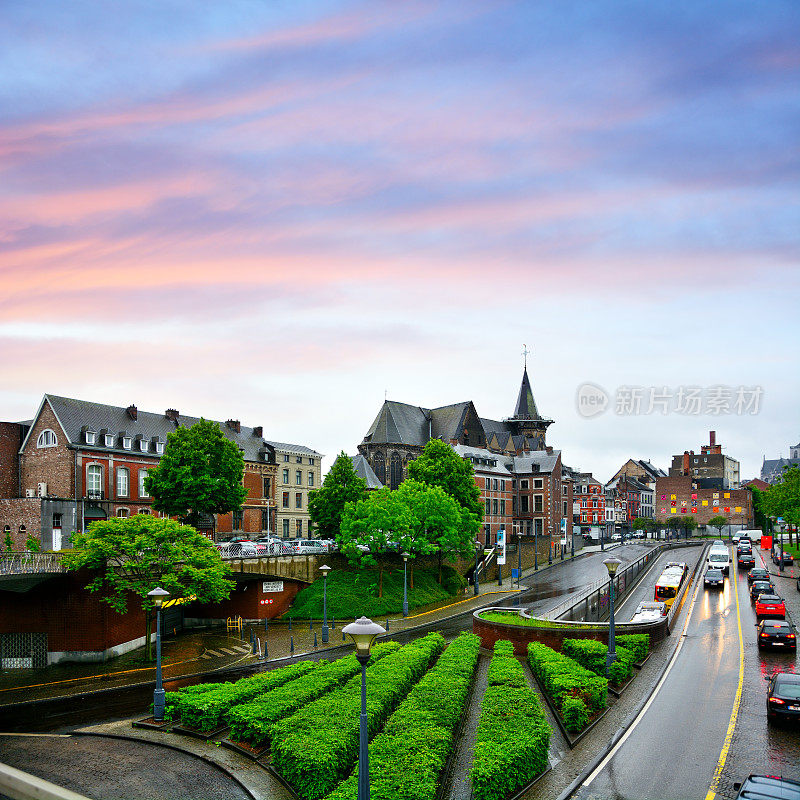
526, 405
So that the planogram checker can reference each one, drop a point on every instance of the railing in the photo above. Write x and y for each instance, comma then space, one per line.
26, 563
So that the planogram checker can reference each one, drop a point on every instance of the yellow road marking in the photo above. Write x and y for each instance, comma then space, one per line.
457, 603
712, 791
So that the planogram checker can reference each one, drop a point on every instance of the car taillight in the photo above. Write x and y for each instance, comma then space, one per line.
777, 701
790, 636
764, 635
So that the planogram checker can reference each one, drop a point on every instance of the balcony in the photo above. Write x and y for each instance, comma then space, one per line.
95, 494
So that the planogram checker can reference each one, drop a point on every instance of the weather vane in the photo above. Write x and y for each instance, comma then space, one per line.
525, 353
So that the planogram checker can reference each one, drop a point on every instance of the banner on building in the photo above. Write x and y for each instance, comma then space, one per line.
501, 547
272, 586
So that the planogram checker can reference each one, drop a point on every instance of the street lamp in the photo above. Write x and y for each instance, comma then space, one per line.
611, 565
478, 547
158, 596
325, 569
406, 556
519, 558
535, 549
363, 633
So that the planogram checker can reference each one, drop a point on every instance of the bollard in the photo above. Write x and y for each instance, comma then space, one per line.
311, 623
315, 639
290, 624
333, 624
266, 624
266, 652
343, 639
253, 643
387, 623
291, 644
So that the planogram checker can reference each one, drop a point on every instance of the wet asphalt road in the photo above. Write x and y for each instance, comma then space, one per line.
674, 750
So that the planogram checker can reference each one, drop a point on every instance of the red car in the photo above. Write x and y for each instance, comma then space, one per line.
770, 605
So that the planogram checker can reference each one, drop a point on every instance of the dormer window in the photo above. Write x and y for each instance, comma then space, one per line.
144, 445
109, 439
127, 442
160, 447
91, 437
47, 438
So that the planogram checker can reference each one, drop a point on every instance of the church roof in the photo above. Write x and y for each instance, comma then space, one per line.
447, 421
526, 405
365, 471
399, 423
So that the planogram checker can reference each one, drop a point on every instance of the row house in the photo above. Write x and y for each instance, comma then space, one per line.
632, 499
80, 461
299, 471
643, 470
590, 501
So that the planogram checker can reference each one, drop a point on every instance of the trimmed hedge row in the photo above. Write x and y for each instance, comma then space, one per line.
513, 737
592, 655
562, 678
173, 700
315, 747
407, 757
637, 643
251, 722
206, 710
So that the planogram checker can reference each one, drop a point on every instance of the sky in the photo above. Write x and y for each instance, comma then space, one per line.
285, 212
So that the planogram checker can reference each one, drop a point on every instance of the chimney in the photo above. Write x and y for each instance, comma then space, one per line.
712, 438
132, 412
549, 450
171, 414
259, 432
234, 425
685, 462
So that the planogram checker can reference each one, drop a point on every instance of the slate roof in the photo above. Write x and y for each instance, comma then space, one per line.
773, 467
491, 426
496, 465
365, 471
74, 415
651, 469
526, 405
446, 421
546, 462
285, 447
399, 423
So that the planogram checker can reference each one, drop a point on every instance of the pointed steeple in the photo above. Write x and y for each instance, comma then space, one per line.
526, 405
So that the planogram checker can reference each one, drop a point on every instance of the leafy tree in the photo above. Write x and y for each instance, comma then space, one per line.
32, 544
718, 522
782, 499
687, 523
341, 486
134, 555
200, 473
440, 465
760, 518
644, 524
9, 542
674, 524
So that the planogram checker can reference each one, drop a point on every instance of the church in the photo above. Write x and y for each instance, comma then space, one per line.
518, 473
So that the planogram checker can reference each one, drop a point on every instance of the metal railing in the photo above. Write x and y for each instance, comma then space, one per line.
27, 563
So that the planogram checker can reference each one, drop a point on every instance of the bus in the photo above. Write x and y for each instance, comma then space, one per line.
668, 585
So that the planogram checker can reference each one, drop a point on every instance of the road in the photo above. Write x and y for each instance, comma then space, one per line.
675, 746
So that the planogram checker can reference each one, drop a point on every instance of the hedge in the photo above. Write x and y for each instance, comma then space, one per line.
575, 714
407, 757
592, 655
562, 677
637, 643
205, 711
174, 700
513, 738
251, 722
314, 748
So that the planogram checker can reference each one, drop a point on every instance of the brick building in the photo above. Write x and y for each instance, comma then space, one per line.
590, 500
710, 469
642, 470
682, 495
78, 461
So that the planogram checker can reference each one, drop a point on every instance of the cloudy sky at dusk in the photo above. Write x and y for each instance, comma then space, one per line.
280, 211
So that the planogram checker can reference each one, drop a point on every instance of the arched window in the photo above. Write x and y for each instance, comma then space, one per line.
123, 513
380, 467
47, 438
396, 471
23, 530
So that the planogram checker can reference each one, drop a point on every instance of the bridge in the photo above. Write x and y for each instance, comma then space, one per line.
304, 568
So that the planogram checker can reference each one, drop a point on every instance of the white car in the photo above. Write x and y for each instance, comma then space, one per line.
649, 611
616, 537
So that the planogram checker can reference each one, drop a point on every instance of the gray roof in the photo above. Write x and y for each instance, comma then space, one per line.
497, 462
526, 405
399, 423
491, 426
651, 469
76, 415
774, 466
544, 461
365, 471
446, 421
285, 447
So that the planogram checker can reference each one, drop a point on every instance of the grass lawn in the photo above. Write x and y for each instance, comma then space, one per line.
352, 593
515, 619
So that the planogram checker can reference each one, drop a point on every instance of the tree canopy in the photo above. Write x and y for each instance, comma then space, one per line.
341, 486
200, 472
718, 522
782, 499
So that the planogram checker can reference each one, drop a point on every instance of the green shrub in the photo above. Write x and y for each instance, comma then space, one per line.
592, 655
504, 668
622, 668
503, 647
575, 714
407, 757
315, 747
251, 722
637, 643
563, 677
173, 700
513, 737
206, 710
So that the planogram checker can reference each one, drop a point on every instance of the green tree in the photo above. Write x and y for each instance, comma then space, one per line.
645, 524
200, 473
687, 524
760, 517
674, 524
326, 505
132, 556
782, 499
718, 522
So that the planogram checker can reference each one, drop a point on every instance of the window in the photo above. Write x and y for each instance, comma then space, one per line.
494, 506
298, 477
286, 476
513, 505
237, 520
524, 503
488, 507
396, 469
142, 490
311, 461
286, 529
503, 507
380, 467
523, 484
285, 501
94, 479
91, 437
267, 487
56, 520
265, 520
285, 458
144, 445
298, 500
564, 511
538, 527
127, 442
537, 483
123, 481
310, 478
537, 502
299, 526
299, 459
109, 439
47, 438
144, 510
123, 513
160, 447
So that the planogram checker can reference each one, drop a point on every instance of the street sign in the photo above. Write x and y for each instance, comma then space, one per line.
501, 547
514, 574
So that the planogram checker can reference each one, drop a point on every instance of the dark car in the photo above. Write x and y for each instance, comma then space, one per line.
776, 633
770, 605
787, 558
758, 574
783, 696
714, 578
746, 560
760, 587
767, 787
743, 545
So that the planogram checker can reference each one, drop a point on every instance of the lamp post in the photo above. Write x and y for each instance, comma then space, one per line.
519, 559
475, 576
535, 549
325, 569
406, 556
363, 633
499, 549
158, 596
611, 566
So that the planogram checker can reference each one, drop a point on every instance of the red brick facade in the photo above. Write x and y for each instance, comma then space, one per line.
678, 495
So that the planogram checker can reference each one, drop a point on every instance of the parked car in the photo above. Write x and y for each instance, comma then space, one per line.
767, 786
638, 535
776, 633
783, 699
787, 558
746, 561
759, 588
237, 548
758, 574
308, 547
713, 578
770, 605
616, 537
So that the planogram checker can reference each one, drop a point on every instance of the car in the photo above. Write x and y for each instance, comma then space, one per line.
758, 574
759, 588
744, 545
783, 697
787, 558
616, 537
770, 605
746, 561
649, 611
776, 633
713, 578
718, 543
764, 787
638, 535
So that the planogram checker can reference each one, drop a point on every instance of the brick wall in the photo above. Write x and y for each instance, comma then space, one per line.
16, 512
50, 465
677, 492
11, 434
